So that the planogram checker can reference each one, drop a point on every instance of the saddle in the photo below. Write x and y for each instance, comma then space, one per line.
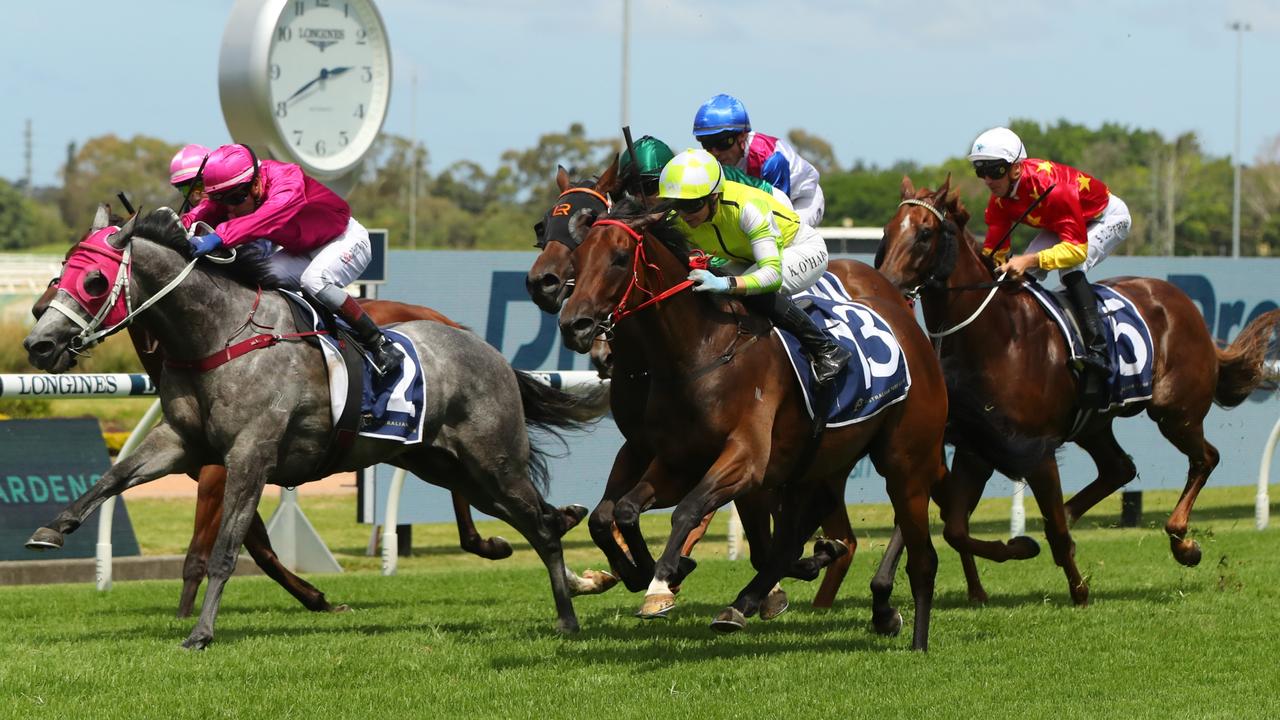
346, 424
1128, 339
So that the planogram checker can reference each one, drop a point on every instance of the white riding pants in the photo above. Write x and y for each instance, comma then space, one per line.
1105, 235
338, 262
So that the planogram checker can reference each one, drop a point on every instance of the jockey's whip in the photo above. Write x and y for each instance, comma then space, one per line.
124, 202
635, 164
1008, 235
199, 177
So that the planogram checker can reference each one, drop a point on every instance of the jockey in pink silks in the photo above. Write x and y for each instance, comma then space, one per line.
183, 169
322, 248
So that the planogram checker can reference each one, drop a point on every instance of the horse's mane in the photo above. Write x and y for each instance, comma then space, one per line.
664, 231
164, 228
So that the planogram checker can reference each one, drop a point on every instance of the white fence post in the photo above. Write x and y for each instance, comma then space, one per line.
1018, 510
735, 532
390, 554
1262, 504
106, 513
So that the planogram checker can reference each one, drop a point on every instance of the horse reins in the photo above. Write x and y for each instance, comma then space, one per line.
640, 260
933, 279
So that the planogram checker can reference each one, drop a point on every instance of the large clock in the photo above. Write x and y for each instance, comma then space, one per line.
308, 80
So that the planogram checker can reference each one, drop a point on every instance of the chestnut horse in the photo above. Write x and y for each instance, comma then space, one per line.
1011, 357
550, 281
212, 478
724, 419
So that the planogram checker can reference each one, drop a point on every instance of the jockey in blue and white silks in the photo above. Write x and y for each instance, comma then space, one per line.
723, 128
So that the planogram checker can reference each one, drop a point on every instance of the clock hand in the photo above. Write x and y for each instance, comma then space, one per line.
325, 74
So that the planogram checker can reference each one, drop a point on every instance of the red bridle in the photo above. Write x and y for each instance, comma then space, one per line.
697, 260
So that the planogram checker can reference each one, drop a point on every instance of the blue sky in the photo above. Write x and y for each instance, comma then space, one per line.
882, 80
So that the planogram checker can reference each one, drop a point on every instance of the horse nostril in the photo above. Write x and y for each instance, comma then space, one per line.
38, 349
550, 281
583, 325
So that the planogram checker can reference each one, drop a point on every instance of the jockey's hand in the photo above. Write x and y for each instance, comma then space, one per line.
202, 245
705, 281
1016, 267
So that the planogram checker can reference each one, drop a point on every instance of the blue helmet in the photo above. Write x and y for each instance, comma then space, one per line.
722, 113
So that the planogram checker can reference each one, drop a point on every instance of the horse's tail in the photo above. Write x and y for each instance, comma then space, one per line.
1241, 365
974, 425
553, 412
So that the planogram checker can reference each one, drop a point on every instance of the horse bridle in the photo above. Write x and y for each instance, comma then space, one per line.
90, 334
943, 267
944, 263
568, 209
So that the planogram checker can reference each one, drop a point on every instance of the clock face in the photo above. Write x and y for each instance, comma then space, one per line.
329, 79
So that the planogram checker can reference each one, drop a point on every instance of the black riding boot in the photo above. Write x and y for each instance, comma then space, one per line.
383, 353
1097, 360
828, 358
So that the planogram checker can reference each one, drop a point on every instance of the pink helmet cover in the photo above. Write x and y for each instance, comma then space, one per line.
184, 165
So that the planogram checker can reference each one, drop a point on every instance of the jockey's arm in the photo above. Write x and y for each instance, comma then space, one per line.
755, 221
205, 211
286, 198
777, 171
1067, 220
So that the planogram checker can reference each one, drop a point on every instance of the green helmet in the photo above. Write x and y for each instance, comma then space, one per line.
651, 156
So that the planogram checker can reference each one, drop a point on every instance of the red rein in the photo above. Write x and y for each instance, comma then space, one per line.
697, 261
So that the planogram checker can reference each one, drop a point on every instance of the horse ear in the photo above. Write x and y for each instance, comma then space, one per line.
102, 218
562, 178
121, 237
957, 208
608, 181
908, 190
943, 189
580, 224
641, 222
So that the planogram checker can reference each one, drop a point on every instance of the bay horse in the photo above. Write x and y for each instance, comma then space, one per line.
550, 282
262, 430
211, 479
724, 420
1012, 358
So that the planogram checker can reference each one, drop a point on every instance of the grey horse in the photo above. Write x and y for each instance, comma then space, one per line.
266, 415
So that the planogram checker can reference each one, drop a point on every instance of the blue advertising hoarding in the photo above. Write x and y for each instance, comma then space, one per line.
485, 291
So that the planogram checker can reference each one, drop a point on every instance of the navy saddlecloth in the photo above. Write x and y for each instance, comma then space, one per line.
876, 377
1128, 341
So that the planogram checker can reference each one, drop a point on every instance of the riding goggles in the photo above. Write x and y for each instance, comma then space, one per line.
232, 196
717, 143
688, 206
991, 169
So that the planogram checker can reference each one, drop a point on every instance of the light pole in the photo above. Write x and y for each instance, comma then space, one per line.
1240, 28
626, 62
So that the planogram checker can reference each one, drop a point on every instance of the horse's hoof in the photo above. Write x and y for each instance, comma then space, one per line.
494, 548
1186, 552
45, 539
656, 606
197, 642
1080, 595
567, 626
729, 620
591, 582
1023, 548
978, 597
775, 603
832, 547
573, 514
889, 624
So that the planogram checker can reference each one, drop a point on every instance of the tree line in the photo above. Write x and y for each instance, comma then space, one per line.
1180, 196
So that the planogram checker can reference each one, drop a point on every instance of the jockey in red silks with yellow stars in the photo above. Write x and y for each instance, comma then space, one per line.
322, 248
1081, 224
